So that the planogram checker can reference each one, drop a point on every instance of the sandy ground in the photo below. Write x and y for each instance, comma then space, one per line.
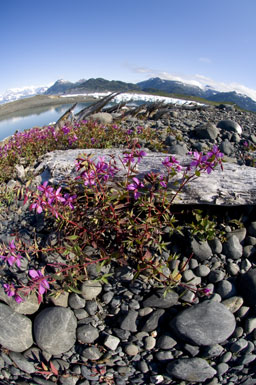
37, 104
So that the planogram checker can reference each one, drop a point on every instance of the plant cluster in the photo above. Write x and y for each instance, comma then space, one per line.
129, 221
25, 147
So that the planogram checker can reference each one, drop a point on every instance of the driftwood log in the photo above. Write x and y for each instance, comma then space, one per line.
234, 186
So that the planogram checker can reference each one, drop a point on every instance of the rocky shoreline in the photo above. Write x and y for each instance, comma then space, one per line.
127, 331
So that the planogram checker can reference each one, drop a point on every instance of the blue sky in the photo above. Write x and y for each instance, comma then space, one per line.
202, 41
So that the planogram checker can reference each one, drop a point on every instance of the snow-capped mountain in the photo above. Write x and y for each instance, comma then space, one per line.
18, 93
240, 95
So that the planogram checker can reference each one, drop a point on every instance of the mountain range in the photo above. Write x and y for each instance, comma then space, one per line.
152, 85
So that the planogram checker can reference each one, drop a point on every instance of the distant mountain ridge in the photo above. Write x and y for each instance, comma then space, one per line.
152, 85
90, 85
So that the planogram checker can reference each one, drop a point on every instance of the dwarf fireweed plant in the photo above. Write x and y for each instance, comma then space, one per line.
126, 220
25, 147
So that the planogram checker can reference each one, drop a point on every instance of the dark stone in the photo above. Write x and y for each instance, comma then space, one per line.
153, 320
207, 323
161, 300
191, 369
247, 287
55, 329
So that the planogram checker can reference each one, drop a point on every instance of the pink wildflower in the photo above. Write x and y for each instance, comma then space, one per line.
135, 186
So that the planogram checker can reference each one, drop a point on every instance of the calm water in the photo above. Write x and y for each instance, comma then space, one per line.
39, 118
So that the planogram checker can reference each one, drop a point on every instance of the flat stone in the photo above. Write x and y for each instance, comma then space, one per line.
166, 342
235, 185
87, 334
207, 323
233, 248
153, 320
30, 304
111, 342
91, 289
206, 131
191, 369
247, 287
92, 353
201, 250
230, 125
233, 304
161, 300
55, 329
75, 301
22, 363
128, 321
15, 330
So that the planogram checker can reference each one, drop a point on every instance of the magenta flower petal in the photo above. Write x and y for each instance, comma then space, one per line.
33, 274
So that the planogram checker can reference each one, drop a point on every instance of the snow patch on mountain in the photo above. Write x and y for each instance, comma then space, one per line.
13, 94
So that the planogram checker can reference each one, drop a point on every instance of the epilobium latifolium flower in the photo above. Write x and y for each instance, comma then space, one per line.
140, 155
135, 186
45, 189
207, 162
40, 281
66, 130
172, 163
11, 258
12, 292
128, 158
69, 200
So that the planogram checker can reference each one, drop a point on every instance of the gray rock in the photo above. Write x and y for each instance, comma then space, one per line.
239, 345
250, 324
30, 304
216, 245
230, 125
233, 248
164, 355
91, 353
216, 276
153, 320
75, 301
161, 300
213, 351
87, 334
55, 329
252, 229
111, 342
128, 321
202, 271
131, 349
166, 342
206, 131
22, 363
239, 233
179, 149
102, 117
207, 323
226, 147
149, 343
222, 368
247, 287
91, 289
61, 300
225, 289
15, 330
190, 369
201, 250
233, 304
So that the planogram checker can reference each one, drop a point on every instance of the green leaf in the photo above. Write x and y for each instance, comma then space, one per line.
72, 237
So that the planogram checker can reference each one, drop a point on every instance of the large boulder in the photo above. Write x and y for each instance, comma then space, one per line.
15, 330
207, 323
55, 329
